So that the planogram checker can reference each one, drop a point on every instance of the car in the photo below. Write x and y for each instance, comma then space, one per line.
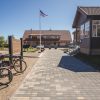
40, 47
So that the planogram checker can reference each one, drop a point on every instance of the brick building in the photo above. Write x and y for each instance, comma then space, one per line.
49, 38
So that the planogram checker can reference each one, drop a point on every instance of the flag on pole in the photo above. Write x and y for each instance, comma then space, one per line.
42, 14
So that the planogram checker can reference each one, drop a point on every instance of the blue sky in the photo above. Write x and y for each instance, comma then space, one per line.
16, 16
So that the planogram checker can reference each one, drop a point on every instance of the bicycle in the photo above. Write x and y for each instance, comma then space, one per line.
74, 52
6, 75
18, 64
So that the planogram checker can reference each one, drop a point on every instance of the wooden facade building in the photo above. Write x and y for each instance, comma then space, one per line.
49, 38
88, 20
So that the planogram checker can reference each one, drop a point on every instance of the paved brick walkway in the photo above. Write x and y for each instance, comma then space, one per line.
57, 76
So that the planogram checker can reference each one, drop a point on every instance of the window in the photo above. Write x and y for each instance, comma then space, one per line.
58, 37
38, 37
53, 37
96, 28
44, 37
82, 32
30, 36
87, 29
96, 22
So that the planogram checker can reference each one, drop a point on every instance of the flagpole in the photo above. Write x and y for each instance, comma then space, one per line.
43, 15
40, 29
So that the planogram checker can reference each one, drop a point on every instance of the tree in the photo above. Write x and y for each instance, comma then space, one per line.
13, 36
2, 41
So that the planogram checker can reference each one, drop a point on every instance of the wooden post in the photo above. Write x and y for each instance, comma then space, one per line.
21, 53
76, 35
90, 46
10, 48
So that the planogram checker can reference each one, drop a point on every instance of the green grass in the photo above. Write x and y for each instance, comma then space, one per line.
30, 50
93, 60
1, 48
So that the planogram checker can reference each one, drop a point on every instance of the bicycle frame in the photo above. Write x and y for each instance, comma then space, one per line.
17, 63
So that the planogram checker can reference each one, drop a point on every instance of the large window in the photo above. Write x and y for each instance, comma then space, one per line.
82, 32
85, 30
96, 28
94, 31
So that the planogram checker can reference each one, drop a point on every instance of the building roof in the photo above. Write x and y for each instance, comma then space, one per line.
65, 35
85, 11
91, 10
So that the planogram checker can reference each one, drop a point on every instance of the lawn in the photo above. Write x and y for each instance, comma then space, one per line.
1, 48
30, 49
93, 60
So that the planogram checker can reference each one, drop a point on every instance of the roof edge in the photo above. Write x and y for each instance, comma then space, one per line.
82, 10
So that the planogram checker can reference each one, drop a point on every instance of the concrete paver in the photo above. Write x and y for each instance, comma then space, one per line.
57, 76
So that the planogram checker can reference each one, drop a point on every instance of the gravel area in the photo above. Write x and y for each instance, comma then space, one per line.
4, 52
7, 91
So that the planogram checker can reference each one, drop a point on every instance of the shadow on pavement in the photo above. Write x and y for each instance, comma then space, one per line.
16, 74
75, 65
31, 56
3, 86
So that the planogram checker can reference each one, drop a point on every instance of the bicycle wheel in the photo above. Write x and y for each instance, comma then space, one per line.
20, 66
6, 76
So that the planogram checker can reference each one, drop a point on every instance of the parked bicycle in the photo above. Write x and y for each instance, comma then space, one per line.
74, 51
18, 64
6, 75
